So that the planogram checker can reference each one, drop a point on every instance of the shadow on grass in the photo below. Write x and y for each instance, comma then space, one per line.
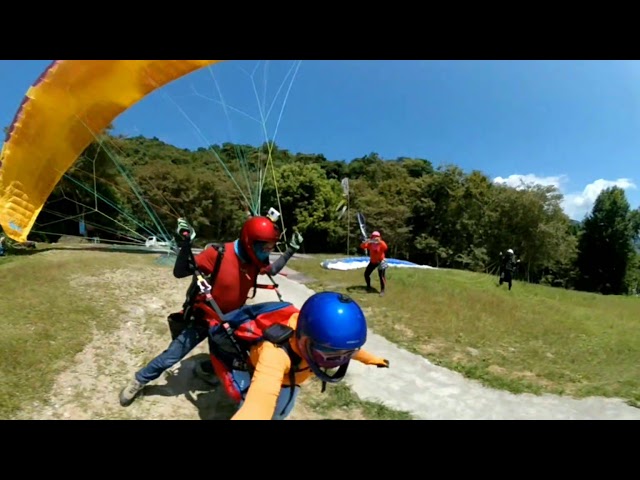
362, 289
211, 401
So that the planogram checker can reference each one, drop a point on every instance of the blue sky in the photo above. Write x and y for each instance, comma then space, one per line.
574, 124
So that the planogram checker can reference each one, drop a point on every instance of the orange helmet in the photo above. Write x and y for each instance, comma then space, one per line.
257, 238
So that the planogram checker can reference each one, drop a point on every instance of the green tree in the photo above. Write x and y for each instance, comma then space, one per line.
307, 201
605, 246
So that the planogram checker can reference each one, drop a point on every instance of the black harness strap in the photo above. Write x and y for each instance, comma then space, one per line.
206, 288
193, 290
274, 286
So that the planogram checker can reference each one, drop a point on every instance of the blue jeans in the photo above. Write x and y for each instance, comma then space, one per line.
283, 406
188, 339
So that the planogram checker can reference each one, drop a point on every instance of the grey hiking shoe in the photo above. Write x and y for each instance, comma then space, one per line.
204, 371
129, 393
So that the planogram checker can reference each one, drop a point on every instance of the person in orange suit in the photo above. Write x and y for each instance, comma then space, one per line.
325, 334
377, 259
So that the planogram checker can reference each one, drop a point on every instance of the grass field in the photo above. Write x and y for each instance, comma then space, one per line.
56, 304
46, 319
532, 339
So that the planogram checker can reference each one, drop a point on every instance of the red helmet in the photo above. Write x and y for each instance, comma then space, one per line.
258, 229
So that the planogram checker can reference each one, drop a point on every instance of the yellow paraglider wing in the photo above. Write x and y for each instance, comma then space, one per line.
61, 114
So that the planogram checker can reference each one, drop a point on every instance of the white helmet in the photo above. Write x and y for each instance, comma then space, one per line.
509, 251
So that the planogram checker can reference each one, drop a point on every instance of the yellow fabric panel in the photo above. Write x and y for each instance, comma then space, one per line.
61, 115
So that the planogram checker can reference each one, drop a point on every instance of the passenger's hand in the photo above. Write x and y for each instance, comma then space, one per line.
385, 363
296, 241
184, 231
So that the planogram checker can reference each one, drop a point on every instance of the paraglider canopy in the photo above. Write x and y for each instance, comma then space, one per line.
61, 114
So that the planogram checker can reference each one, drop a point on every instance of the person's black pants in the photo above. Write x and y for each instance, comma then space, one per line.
381, 274
506, 277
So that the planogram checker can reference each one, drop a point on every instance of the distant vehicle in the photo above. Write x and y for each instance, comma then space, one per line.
153, 242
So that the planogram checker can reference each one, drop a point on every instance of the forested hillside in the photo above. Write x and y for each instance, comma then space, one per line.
442, 216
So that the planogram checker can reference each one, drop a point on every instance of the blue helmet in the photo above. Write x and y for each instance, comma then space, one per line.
331, 329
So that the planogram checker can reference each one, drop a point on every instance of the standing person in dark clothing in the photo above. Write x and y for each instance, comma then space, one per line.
508, 264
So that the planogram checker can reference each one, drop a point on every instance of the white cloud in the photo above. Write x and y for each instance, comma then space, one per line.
575, 204
578, 204
516, 180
